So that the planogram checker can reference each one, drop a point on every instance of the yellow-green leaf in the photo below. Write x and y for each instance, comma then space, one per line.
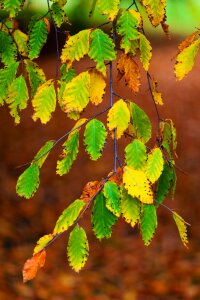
43, 242
156, 10
119, 117
155, 164
76, 94
109, 8
182, 228
135, 155
137, 185
21, 40
145, 51
44, 102
69, 216
112, 195
43, 153
77, 249
185, 60
148, 222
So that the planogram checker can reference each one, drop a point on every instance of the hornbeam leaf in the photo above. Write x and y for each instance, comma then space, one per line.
77, 249
101, 49
7, 75
42, 243
137, 184
36, 75
112, 195
156, 10
17, 97
145, 51
141, 123
76, 94
102, 218
131, 208
76, 47
44, 102
118, 117
43, 153
148, 222
182, 228
135, 155
188, 41
13, 6
8, 50
97, 87
128, 68
185, 60
164, 184
156, 94
94, 138
155, 164
28, 182
21, 40
127, 26
58, 13
70, 152
33, 264
68, 216
37, 37
109, 8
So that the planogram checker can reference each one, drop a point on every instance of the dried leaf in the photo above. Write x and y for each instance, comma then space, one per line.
33, 264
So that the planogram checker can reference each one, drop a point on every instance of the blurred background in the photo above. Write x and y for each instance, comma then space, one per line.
121, 267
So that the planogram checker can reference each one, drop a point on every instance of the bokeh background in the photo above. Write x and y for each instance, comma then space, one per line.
121, 267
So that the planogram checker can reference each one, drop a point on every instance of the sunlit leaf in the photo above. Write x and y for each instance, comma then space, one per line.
97, 87
145, 51
109, 8
155, 164
33, 264
112, 195
148, 222
42, 243
182, 228
43, 153
156, 10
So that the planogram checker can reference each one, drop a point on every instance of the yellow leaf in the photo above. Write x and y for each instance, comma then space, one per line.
128, 68
137, 185
76, 47
43, 242
155, 10
33, 264
156, 95
182, 228
109, 8
155, 164
145, 51
97, 87
21, 41
44, 102
119, 117
185, 60
76, 94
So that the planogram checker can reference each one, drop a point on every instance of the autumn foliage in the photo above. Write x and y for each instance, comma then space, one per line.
138, 185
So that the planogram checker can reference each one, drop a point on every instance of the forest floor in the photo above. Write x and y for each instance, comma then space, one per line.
120, 268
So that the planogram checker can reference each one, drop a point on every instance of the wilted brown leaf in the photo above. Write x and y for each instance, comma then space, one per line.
33, 264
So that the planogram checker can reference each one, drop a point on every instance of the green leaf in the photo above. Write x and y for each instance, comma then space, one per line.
17, 97
76, 47
36, 75
109, 8
101, 49
78, 248
43, 153
164, 184
94, 138
145, 51
148, 222
155, 164
112, 195
28, 182
141, 123
43, 242
7, 75
76, 94
118, 117
13, 6
182, 228
135, 155
131, 207
102, 218
68, 216
8, 51
58, 13
70, 152
66, 76
37, 37
21, 40
127, 26
44, 102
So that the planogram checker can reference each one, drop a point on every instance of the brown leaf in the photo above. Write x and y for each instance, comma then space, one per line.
117, 178
128, 68
33, 264
89, 190
165, 28
188, 40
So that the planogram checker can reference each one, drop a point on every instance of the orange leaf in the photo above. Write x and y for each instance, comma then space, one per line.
46, 21
97, 87
128, 68
165, 28
188, 40
90, 189
117, 177
33, 264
